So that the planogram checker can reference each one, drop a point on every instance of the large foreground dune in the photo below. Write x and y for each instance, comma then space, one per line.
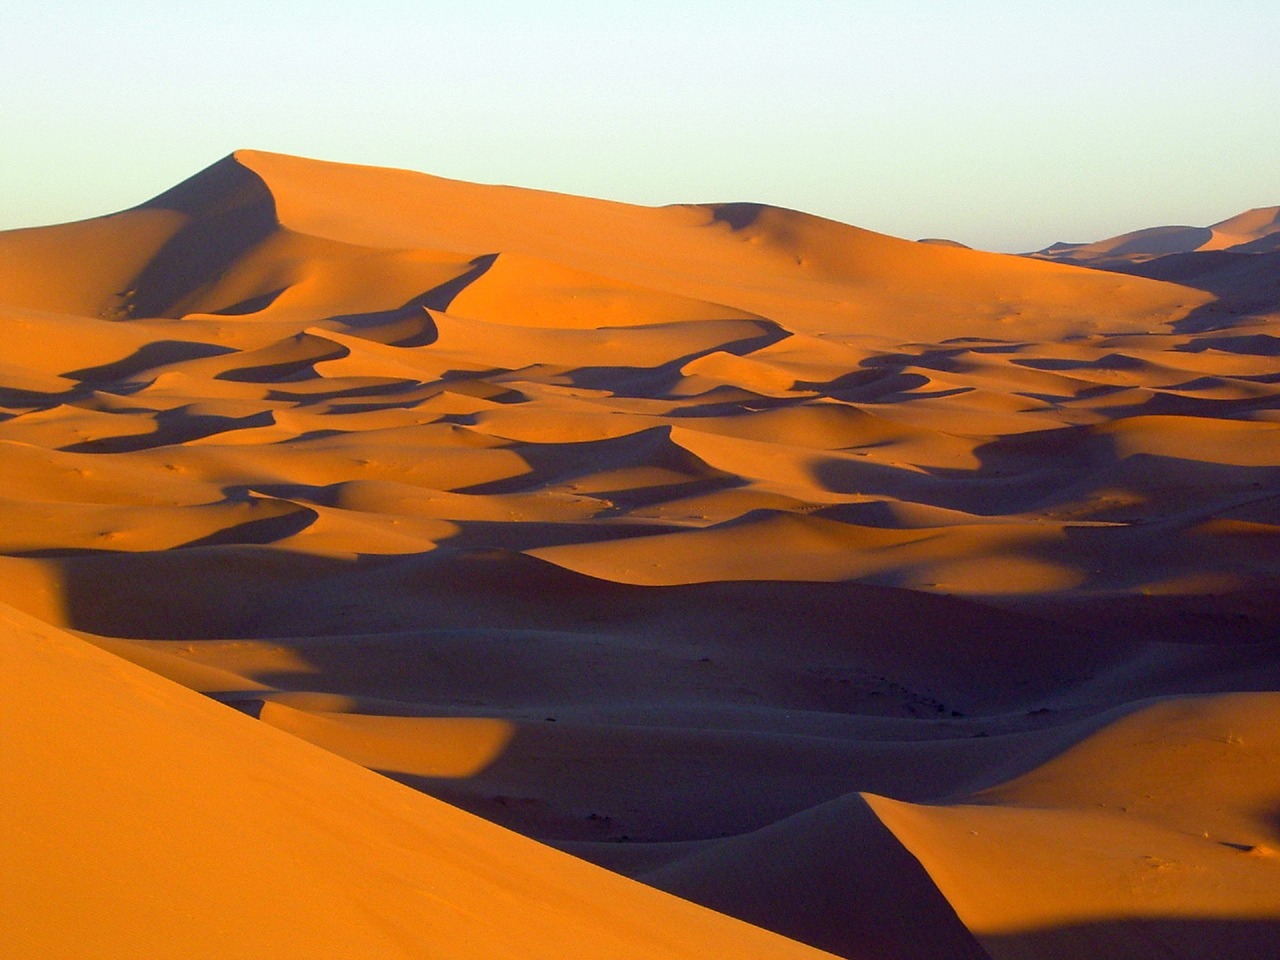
904, 600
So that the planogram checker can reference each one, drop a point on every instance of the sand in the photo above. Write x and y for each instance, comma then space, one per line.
378, 548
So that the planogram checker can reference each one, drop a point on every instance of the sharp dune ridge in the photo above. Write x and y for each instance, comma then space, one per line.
399, 566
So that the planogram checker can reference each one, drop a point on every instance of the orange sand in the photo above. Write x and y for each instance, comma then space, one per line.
906, 600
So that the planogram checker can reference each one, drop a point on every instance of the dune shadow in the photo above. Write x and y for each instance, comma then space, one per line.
230, 211
302, 368
876, 898
660, 380
1110, 361
438, 298
160, 353
441, 297
482, 384
28, 400
1044, 470
1178, 938
1240, 618
1254, 345
942, 359
387, 388
1244, 284
1164, 403
738, 216
883, 380
250, 305
1014, 474
198, 592
713, 405
555, 464
172, 427
262, 531
1083, 393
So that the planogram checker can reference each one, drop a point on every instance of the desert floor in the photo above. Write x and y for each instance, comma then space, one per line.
395, 566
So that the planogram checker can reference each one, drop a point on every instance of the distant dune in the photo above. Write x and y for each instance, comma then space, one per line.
898, 599
1254, 231
1236, 260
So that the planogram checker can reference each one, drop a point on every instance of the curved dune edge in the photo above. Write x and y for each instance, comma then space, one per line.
1156, 833
892, 908
143, 820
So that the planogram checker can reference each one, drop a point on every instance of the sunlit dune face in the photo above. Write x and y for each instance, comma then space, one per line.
422, 747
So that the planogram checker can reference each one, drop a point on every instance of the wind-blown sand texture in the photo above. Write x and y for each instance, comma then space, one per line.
905, 600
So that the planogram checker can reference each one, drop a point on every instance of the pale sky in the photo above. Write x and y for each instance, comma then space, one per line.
1003, 125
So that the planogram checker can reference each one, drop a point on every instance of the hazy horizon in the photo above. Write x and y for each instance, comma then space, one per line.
996, 125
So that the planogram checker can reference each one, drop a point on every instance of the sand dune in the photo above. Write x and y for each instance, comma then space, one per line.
903, 599
193, 829
1171, 807
1254, 231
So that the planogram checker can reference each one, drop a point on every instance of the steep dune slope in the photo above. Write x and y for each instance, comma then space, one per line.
143, 820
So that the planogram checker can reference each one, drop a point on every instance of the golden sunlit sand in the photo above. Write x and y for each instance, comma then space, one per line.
899, 599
